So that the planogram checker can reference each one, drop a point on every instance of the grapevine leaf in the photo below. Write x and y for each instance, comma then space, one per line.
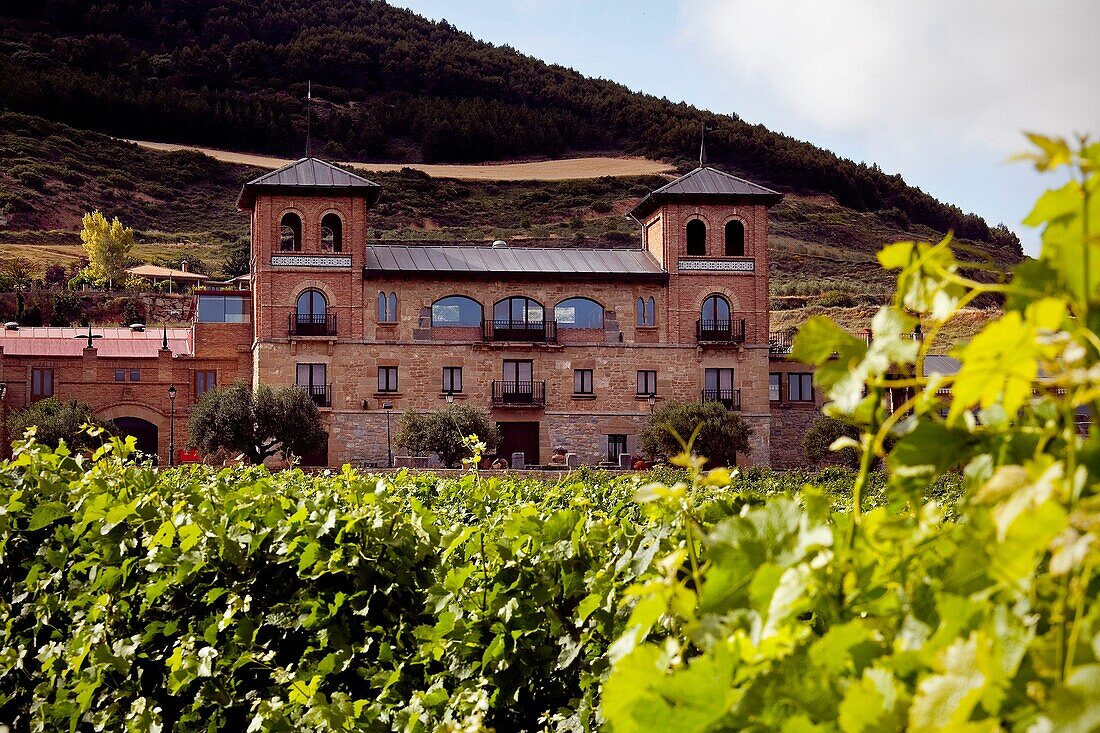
46, 514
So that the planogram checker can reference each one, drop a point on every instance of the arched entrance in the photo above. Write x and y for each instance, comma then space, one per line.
143, 431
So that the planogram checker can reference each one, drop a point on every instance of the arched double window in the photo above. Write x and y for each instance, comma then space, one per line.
311, 316
716, 311
387, 308
646, 312
332, 233
518, 310
735, 238
290, 233
456, 310
578, 313
696, 238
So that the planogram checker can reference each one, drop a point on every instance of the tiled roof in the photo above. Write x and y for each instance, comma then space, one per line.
707, 183
308, 173
114, 342
522, 262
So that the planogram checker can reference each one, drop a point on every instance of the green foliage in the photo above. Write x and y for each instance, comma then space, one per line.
790, 616
258, 424
54, 421
444, 432
722, 434
107, 244
823, 433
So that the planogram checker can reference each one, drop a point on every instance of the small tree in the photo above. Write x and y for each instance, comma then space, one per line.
258, 424
56, 420
107, 245
442, 432
823, 432
722, 436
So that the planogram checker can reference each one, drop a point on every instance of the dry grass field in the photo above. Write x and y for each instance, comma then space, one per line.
543, 170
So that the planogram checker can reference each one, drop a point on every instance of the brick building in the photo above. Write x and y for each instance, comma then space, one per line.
565, 347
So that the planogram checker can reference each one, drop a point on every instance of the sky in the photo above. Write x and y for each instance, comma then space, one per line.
937, 90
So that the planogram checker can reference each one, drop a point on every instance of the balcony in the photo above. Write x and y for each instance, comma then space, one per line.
539, 332
519, 394
720, 332
304, 324
321, 394
730, 398
780, 343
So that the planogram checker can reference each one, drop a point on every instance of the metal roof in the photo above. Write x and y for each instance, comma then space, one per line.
946, 365
309, 174
707, 184
516, 262
114, 342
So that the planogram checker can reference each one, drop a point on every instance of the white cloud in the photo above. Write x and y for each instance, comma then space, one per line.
933, 74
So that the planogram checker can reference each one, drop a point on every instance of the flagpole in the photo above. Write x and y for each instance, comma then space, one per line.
309, 117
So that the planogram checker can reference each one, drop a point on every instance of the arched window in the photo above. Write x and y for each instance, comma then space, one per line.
578, 313
715, 313
290, 233
332, 233
735, 238
387, 308
456, 310
646, 312
518, 310
311, 315
696, 238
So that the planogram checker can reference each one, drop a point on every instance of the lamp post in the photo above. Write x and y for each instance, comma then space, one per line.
172, 426
388, 406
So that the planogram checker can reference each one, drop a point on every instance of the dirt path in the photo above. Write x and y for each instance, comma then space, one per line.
548, 170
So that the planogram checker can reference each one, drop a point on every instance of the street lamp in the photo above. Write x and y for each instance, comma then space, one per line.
172, 427
450, 398
652, 399
388, 406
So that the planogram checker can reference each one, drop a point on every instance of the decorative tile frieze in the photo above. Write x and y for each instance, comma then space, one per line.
717, 265
310, 261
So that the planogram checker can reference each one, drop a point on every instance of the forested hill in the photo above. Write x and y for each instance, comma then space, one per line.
388, 85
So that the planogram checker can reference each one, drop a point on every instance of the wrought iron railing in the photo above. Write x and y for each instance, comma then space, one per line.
720, 331
509, 330
321, 394
730, 398
306, 324
508, 393
780, 342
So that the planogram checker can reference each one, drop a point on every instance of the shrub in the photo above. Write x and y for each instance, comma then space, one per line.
823, 432
441, 432
722, 433
54, 421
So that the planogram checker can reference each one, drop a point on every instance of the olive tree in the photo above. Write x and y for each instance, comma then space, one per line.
441, 432
258, 423
722, 433
55, 420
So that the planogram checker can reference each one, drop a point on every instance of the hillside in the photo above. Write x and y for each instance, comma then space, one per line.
388, 85
182, 204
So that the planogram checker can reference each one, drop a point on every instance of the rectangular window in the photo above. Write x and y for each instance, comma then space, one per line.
774, 381
647, 381
452, 379
135, 375
518, 372
206, 380
41, 383
120, 375
313, 378
387, 379
616, 446
582, 381
223, 308
800, 387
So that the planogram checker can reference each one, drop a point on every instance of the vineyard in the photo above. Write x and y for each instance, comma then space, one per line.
953, 591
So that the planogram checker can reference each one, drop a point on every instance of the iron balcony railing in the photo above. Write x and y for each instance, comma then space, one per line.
524, 394
305, 324
780, 343
321, 394
720, 331
541, 332
730, 398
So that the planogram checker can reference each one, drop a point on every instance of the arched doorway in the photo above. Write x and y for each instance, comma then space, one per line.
143, 431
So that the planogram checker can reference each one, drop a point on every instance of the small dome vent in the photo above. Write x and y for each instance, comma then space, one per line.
11, 326
137, 327
499, 243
